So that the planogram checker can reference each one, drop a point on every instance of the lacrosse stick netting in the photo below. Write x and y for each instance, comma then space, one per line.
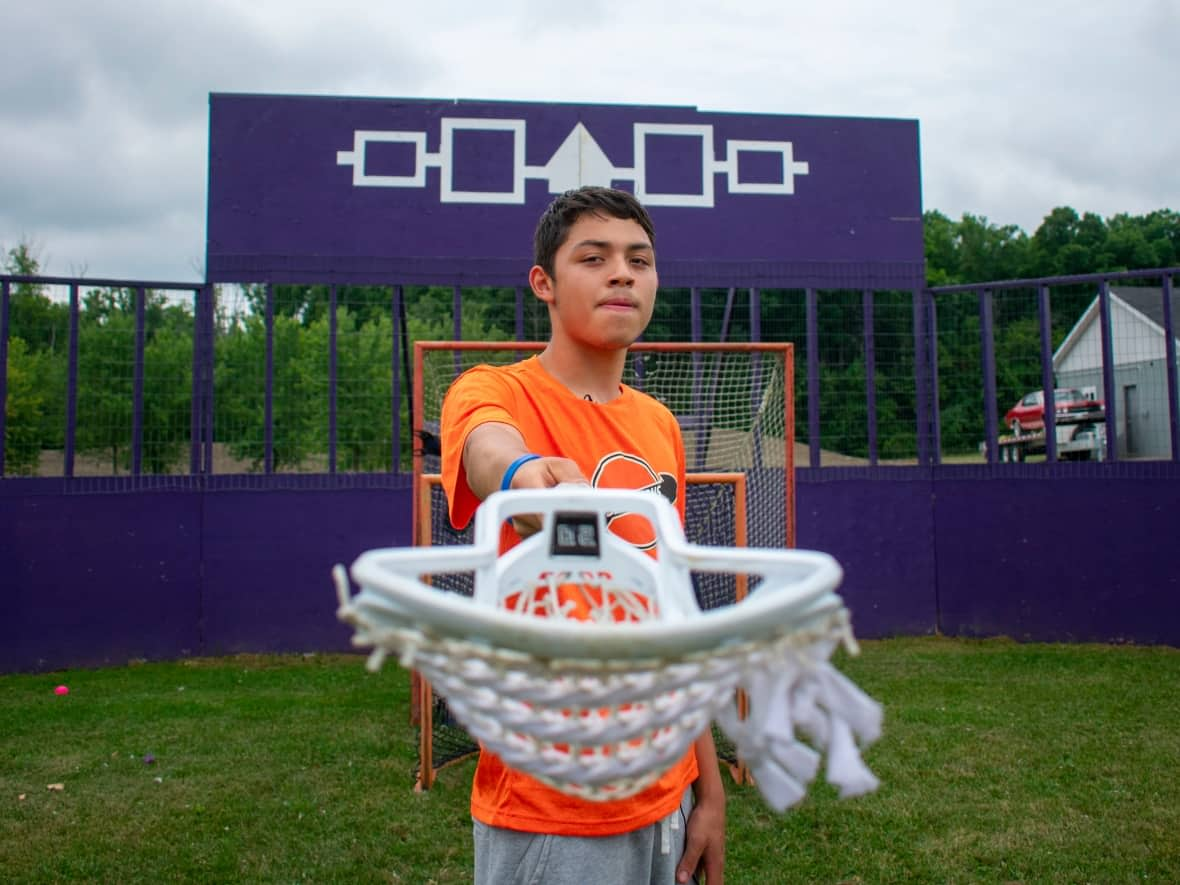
588, 664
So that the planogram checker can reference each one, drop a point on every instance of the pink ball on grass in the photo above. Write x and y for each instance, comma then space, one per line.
61, 689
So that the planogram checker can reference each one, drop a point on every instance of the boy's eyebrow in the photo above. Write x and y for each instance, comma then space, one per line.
605, 244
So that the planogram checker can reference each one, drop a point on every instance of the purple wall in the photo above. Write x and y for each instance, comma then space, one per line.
1058, 558
326, 189
880, 529
1081, 553
103, 578
1074, 553
268, 557
94, 579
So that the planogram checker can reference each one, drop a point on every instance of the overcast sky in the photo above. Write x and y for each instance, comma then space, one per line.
1023, 105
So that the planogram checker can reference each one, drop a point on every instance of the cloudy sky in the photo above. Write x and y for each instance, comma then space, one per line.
1023, 105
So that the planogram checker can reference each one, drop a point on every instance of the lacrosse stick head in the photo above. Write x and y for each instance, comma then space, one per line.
586, 662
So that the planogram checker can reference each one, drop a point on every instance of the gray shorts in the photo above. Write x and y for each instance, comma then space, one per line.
649, 854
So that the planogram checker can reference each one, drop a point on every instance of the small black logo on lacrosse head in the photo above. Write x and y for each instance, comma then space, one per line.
575, 533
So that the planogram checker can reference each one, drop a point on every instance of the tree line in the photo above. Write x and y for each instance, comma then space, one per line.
965, 251
973, 250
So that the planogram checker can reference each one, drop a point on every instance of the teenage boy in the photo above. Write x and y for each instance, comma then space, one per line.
566, 416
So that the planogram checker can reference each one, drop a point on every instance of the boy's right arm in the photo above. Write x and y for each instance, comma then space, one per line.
489, 451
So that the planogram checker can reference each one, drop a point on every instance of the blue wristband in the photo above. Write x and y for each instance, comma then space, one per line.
506, 482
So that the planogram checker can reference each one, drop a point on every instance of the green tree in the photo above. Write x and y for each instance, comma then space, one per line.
1091, 232
23, 409
167, 398
843, 408
43, 325
32, 315
240, 384
106, 353
973, 250
941, 241
106, 378
960, 373
1127, 244
1018, 368
310, 304
1057, 230
364, 354
991, 252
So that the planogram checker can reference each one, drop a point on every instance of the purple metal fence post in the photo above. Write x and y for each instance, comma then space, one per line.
870, 345
639, 366
1048, 384
72, 384
194, 412
395, 394
727, 314
268, 384
987, 349
756, 371
137, 395
208, 360
696, 333
920, 387
519, 315
935, 412
457, 312
1108, 391
705, 404
1170, 352
4, 293
813, 377
457, 323
332, 379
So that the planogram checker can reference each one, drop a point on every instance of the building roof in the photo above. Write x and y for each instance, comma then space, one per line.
1149, 301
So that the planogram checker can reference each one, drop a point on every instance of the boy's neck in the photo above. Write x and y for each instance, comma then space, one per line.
594, 375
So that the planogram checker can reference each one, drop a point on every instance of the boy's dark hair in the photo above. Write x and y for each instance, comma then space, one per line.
565, 210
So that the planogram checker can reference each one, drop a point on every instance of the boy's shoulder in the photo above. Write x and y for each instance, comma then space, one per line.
494, 374
646, 400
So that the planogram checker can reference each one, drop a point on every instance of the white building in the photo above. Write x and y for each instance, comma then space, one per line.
1140, 366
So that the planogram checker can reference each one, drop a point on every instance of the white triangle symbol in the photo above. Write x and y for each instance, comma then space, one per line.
579, 161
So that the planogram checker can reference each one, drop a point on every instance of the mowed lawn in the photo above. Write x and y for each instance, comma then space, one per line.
1001, 762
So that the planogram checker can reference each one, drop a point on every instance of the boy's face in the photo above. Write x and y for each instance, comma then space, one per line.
604, 284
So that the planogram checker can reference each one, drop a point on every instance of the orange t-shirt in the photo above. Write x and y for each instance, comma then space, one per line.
632, 442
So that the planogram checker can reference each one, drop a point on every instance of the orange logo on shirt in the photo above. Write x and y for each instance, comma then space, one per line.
621, 470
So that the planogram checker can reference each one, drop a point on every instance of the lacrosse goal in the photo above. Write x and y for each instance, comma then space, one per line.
735, 406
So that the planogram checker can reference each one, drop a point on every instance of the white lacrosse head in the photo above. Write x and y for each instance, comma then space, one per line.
588, 663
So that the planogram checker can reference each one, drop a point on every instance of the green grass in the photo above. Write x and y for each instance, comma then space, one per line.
1000, 763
